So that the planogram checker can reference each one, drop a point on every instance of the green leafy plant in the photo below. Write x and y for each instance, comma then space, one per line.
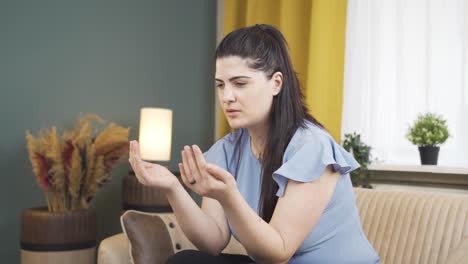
429, 129
361, 152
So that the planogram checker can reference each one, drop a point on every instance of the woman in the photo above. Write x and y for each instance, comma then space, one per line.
279, 183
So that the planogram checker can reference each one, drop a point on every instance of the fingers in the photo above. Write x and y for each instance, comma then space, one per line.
136, 163
217, 172
194, 165
194, 170
183, 175
200, 161
188, 173
131, 155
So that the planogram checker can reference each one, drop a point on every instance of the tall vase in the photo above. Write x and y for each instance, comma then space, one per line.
58, 237
429, 155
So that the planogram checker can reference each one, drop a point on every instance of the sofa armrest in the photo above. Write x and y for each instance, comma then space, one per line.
114, 250
158, 236
178, 237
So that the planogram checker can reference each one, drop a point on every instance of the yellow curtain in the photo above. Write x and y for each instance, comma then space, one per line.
315, 31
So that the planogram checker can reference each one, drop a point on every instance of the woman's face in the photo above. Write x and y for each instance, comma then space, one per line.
245, 94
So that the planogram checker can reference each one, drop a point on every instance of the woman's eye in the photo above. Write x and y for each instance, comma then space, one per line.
219, 85
239, 84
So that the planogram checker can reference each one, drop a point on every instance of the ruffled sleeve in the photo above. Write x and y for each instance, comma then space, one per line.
306, 161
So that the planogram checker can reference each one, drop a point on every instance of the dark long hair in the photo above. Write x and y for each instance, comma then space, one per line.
266, 49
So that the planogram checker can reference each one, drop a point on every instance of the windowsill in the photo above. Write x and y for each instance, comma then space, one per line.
419, 168
419, 175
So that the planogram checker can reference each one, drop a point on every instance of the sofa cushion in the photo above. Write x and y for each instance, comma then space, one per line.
148, 236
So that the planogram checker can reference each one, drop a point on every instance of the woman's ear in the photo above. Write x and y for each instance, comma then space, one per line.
277, 80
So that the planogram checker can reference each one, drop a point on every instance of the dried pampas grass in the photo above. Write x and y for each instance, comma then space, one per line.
71, 169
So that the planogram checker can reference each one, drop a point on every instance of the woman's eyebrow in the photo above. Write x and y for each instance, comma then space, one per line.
234, 78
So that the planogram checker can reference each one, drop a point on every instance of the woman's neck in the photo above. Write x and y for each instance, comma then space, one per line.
258, 136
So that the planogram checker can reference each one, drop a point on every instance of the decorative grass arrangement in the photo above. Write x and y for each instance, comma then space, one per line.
71, 168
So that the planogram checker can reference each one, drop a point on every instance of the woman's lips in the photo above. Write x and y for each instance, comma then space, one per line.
232, 112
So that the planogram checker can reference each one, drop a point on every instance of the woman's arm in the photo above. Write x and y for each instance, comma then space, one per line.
206, 228
196, 223
294, 216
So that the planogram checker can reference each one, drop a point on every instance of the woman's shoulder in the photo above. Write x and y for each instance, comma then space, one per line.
310, 133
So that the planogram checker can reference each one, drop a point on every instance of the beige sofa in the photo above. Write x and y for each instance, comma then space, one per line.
404, 227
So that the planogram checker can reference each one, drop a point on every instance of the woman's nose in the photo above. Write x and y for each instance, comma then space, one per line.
228, 95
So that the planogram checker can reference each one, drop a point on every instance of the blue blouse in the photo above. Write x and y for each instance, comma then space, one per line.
338, 236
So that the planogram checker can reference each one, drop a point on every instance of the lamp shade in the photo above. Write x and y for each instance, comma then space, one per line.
155, 134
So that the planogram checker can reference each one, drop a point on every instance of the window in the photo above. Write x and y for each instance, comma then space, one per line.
404, 58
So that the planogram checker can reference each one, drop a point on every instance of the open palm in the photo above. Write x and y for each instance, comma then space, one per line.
148, 173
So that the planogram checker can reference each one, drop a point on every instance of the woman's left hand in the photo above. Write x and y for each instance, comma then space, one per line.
203, 178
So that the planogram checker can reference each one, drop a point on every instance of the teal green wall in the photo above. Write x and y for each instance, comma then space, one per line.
60, 58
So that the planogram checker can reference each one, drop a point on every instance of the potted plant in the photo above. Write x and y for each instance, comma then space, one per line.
428, 132
69, 169
361, 152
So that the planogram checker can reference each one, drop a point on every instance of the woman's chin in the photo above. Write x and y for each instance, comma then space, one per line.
235, 125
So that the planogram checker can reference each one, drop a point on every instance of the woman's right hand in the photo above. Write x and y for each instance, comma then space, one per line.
150, 174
